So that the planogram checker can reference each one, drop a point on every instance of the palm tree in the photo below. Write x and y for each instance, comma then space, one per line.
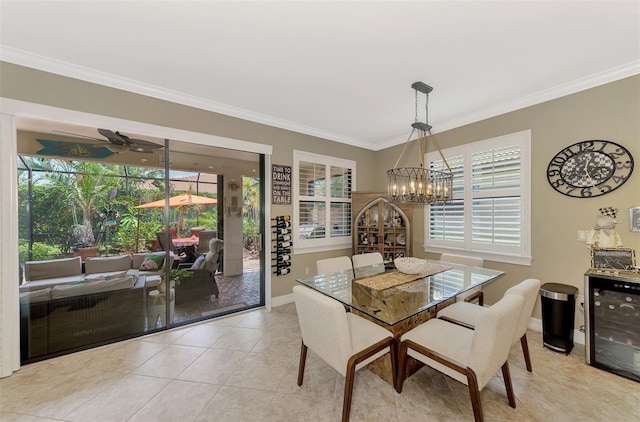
86, 186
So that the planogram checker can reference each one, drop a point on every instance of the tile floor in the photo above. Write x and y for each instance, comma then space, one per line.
243, 368
236, 292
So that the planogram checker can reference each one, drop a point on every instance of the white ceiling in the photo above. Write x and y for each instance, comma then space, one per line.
339, 70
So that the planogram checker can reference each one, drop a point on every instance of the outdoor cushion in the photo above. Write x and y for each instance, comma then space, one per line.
96, 286
198, 263
107, 264
152, 262
138, 258
104, 276
41, 295
41, 270
50, 282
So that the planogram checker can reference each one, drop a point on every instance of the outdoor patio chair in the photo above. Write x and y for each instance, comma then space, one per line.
204, 236
165, 242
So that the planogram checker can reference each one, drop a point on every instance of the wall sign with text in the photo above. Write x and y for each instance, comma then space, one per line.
281, 184
613, 258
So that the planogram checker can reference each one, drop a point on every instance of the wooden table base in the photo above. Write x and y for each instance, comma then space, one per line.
382, 366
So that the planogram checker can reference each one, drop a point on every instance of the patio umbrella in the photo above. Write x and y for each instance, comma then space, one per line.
185, 199
180, 201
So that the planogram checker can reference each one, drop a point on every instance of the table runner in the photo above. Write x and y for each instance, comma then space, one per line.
395, 278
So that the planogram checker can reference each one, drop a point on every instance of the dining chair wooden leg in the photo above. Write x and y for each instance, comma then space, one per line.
348, 391
507, 384
394, 362
303, 360
402, 366
474, 393
525, 351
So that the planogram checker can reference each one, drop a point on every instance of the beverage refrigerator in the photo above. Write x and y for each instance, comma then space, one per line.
612, 321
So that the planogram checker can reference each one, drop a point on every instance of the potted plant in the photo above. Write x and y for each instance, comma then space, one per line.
84, 246
175, 276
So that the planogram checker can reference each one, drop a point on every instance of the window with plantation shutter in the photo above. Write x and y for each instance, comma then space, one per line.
489, 215
322, 202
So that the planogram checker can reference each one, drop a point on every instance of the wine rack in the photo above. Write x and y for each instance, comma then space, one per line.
281, 237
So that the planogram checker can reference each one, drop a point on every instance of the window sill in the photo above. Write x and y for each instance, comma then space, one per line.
488, 256
320, 248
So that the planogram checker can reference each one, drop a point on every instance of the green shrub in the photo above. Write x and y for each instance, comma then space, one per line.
39, 252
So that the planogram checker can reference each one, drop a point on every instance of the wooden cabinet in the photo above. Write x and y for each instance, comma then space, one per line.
380, 226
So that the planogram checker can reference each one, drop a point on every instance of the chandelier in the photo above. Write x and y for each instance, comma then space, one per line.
420, 185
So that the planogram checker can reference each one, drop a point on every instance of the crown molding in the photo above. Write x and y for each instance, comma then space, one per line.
588, 82
59, 67
62, 68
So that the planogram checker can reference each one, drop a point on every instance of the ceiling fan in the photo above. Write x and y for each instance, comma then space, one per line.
119, 142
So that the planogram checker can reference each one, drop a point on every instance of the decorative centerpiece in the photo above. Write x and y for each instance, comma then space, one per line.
411, 265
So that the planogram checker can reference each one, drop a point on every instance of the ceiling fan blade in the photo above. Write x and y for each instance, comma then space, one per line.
141, 143
113, 137
116, 148
118, 138
80, 136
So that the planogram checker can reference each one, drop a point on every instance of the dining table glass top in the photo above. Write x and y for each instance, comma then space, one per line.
391, 305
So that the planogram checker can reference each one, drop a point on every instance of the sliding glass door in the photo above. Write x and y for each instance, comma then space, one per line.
118, 242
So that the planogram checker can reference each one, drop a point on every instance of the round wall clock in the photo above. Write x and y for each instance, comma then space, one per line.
590, 168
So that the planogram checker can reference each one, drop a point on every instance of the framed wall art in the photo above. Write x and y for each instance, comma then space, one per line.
634, 219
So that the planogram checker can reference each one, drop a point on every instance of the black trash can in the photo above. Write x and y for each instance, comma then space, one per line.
558, 309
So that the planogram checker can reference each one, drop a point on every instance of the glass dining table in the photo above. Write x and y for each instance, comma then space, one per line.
397, 301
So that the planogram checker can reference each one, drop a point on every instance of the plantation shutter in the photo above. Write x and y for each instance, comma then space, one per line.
340, 216
495, 208
322, 201
489, 213
446, 222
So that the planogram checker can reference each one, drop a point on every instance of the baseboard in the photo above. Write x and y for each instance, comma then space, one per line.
282, 300
535, 324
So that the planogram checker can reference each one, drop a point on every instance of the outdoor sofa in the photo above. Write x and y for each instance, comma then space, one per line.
63, 309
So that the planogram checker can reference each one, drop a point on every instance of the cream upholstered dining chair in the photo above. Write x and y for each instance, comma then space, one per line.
471, 357
331, 265
468, 313
343, 340
476, 292
366, 260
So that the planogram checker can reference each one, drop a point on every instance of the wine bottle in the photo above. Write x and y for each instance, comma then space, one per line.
283, 218
283, 224
282, 264
281, 231
284, 238
284, 244
285, 257
283, 271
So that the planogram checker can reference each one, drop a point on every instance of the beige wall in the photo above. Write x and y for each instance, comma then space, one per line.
609, 112
35, 86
